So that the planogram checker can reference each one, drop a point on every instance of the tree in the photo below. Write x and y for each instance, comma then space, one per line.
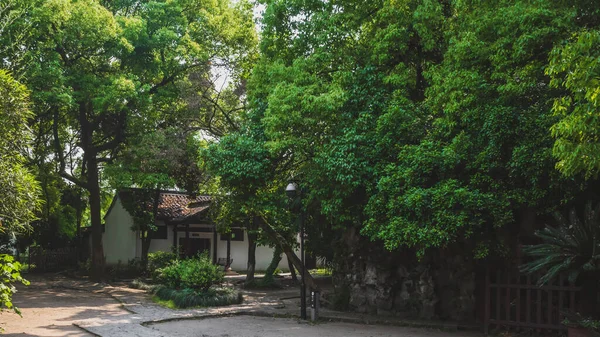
574, 69
20, 191
107, 71
161, 159
20, 199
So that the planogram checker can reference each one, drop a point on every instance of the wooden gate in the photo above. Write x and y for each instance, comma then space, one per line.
515, 301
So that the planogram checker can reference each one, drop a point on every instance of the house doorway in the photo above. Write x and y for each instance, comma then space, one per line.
193, 246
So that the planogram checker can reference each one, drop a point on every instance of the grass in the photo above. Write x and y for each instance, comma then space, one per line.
139, 284
321, 272
189, 298
164, 303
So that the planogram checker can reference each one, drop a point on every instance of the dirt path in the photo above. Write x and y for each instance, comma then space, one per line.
52, 306
51, 311
249, 326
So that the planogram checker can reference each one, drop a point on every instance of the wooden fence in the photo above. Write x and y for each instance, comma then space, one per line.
52, 259
515, 301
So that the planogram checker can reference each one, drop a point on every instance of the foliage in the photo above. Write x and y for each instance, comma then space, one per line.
189, 298
196, 273
576, 320
422, 123
574, 68
20, 191
573, 247
102, 73
10, 275
159, 260
133, 268
139, 284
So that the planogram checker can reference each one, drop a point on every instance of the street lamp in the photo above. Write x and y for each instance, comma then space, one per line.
293, 191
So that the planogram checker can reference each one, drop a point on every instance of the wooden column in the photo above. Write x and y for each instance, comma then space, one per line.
187, 240
227, 266
214, 244
175, 239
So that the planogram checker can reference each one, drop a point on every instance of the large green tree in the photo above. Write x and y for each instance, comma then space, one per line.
419, 122
108, 70
20, 190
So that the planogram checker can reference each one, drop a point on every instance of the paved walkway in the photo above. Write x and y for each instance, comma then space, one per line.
52, 304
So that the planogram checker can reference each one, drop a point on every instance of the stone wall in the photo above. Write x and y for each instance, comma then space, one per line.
372, 280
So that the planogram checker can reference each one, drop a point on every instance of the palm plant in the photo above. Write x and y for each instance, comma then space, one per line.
571, 248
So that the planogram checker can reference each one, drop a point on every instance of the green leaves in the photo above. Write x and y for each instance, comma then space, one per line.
19, 189
573, 247
424, 122
9, 276
575, 68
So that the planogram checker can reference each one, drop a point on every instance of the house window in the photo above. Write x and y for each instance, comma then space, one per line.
160, 233
237, 234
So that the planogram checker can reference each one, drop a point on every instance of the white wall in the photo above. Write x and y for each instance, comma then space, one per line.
122, 244
239, 254
118, 240
161, 244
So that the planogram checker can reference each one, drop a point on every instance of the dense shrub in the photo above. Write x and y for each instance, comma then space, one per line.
139, 284
133, 268
197, 273
159, 260
188, 298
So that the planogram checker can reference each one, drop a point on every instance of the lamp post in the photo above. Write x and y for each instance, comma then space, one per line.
293, 191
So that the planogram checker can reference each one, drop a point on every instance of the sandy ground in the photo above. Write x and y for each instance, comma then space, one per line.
51, 311
250, 326
52, 305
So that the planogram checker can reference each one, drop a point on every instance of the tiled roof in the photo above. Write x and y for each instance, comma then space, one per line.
174, 205
178, 205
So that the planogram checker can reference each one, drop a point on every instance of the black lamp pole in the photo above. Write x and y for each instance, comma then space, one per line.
293, 191
303, 284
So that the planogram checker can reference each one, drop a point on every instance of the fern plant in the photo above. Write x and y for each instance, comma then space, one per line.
571, 248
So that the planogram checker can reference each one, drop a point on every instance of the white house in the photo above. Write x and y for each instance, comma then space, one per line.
183, 223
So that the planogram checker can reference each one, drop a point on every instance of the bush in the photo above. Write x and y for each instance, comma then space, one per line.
9, 276
139, 284
197, 273
159, 260
188, 298
133, 268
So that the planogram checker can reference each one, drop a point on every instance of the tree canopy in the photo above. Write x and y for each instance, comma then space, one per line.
419, 122
20, 190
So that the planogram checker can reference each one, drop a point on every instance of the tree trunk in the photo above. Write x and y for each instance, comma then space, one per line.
292, 270
251, 252
78, 238
287, 249
228, 256
146, 239
97, 268
251, 258
270, 272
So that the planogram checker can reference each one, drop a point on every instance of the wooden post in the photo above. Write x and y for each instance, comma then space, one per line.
488, 294
214, 244
187, 240
528, 306
561, 284
507, 299
539, 307
227, 263
175, 239
549, 313
519, 284
498, 297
